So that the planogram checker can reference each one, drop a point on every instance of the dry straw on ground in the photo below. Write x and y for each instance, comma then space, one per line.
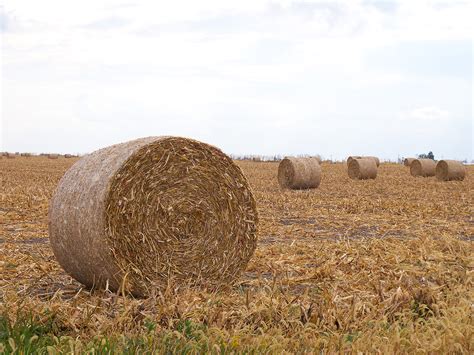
362, 169
299, 173
408, 161
423, 167
153, 212
447, 170
349, 268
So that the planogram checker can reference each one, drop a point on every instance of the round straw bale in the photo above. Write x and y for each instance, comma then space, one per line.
299, 173
447, 170
423, 167
10, 156
377, 160
352, 157
53, 156
408, 161
155, 211
362, 169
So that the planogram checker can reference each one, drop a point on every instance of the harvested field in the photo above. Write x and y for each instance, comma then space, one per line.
383, 264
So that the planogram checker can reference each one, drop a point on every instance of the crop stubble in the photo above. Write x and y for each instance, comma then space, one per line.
382, 264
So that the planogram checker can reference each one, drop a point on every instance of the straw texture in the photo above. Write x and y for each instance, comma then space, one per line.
152, 212
299, 173
423, 167
408, 161
447, 170
362, 169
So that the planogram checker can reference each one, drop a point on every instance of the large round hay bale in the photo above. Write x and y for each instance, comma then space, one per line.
362, 169
447, 170
10, 156
53, 156
423, 167
154, 212
299, 173
408, 161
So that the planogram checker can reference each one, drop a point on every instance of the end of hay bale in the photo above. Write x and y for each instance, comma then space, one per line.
155, 211
449, 170
362, 169
423, 168
299, 173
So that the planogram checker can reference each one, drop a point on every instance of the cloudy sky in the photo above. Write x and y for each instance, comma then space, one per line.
386, 78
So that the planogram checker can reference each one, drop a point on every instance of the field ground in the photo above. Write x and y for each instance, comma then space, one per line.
383, 265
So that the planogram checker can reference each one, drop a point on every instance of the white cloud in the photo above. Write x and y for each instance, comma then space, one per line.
430, 113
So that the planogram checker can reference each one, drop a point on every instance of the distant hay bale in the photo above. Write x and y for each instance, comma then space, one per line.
377, 160
423, 167
408, 161
26, 155
154, 212
53, 156
362, 169
10, 155
68, 156
352, 157
299, 173
447, 170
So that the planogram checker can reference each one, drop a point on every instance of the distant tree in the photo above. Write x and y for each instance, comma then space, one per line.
430, 155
